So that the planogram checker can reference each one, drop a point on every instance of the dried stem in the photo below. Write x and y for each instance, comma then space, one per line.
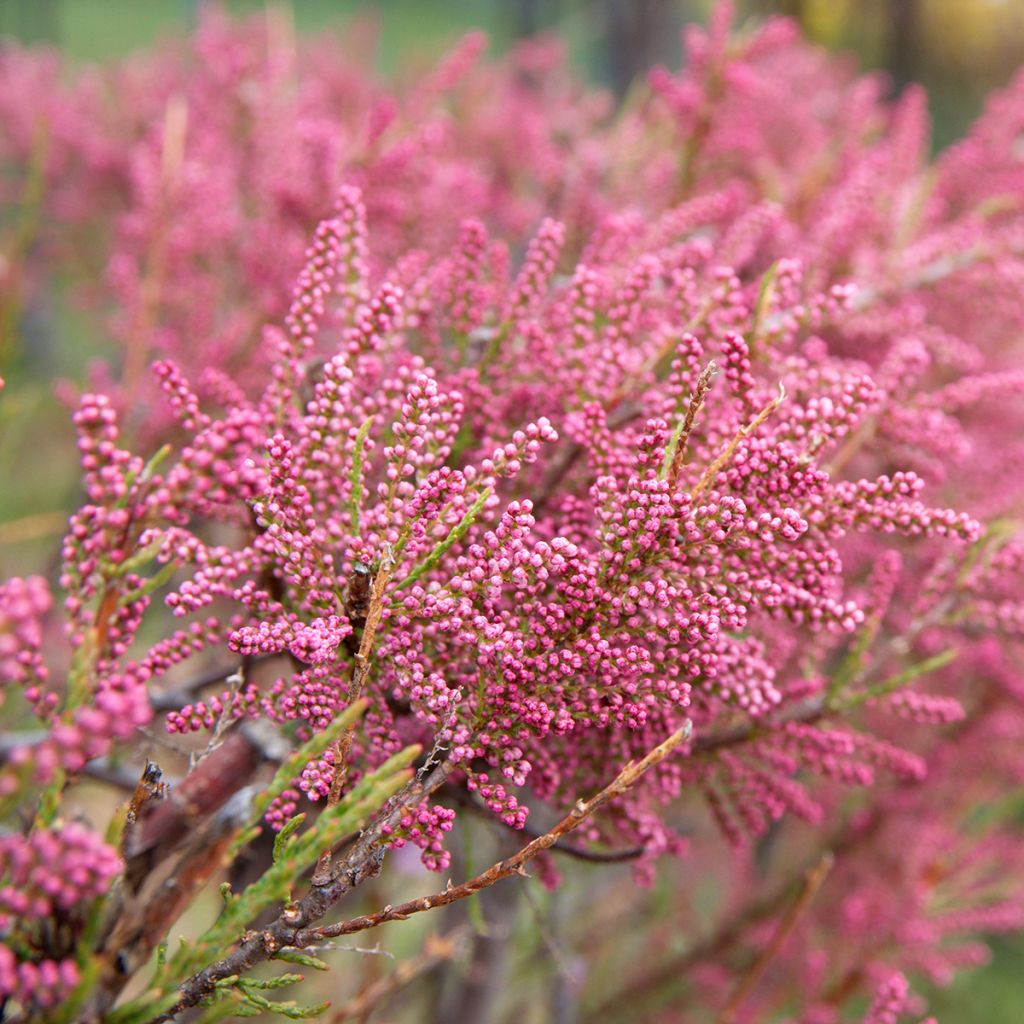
176, 698
437, 949
226, 720
32, 527
568, 849
853, 444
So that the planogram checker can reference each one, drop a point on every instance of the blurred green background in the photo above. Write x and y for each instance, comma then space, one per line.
959, 49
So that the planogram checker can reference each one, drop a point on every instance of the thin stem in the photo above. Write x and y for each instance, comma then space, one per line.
174, 700
568, 849
32, 527
436, 950
813, 881
514, 865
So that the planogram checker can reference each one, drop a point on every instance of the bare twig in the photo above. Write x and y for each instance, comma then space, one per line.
176, 698
568, 849
437, 949
805, 712
813, 881
359, 677
622, 856
224, 722
558, 469
514, 865
42, 524
854, 442
549, 942
99, 769
329, 947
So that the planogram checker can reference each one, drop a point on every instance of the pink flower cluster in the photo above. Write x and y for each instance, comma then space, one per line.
51, 875
40, 984
23, 603
53, 869
890, 1001
707, 412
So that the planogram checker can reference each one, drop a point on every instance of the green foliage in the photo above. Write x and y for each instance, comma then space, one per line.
309, 751
355, 474
294, 854
765, 297
893, 683
290, 1009
296, 956
458, 531
282, 838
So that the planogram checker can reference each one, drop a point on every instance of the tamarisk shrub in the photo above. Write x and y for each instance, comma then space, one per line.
655, 473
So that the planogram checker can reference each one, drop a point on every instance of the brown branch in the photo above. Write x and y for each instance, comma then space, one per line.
568, 849
582, 853
558, 468
813, 881
208, 787
514, 865
176, 698
359, 677
173, 841
805, 712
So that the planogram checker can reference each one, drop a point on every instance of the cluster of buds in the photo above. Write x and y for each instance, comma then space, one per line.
531, 446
